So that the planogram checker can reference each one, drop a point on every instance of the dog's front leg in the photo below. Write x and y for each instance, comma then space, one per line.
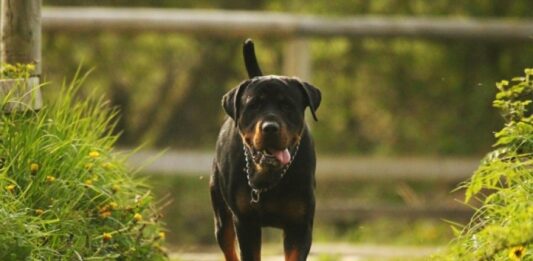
297, 242
224, 232
249, 237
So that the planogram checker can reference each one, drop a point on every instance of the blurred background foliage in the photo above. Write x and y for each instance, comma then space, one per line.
381, 96
394, 96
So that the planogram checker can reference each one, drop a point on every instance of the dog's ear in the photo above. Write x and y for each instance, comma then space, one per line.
312, 96
231, 101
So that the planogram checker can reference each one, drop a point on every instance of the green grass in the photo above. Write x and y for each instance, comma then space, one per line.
387, 231
64, 193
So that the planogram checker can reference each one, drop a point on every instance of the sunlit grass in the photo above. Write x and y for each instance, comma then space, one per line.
64, 193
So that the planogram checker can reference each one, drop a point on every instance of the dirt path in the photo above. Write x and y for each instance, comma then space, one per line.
336, 252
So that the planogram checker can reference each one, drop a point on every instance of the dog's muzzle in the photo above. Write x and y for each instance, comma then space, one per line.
273, 158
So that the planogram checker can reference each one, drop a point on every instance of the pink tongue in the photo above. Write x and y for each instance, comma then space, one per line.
282, 155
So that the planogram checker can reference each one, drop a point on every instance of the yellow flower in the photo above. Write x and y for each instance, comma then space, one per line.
89, 166
107, 165
159, 248
162, 235
34, 167
113, 205
137, 217
115, 188
94, 154
104, 208
517, 252
50, 179
30, 67
105, 214
39, 212
88, 182
10, 188
107, 236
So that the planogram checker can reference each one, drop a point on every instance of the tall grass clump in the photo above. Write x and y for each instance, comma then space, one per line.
64, 193
502, 228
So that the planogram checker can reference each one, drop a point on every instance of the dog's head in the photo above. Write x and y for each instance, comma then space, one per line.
269, 114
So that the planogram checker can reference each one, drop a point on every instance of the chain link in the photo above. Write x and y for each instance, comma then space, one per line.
255, 194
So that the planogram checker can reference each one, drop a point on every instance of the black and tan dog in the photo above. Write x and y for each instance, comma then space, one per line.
263, 171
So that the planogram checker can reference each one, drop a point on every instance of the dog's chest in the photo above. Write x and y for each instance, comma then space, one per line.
272, 208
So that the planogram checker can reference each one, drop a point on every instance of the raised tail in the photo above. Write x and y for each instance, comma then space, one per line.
250, 61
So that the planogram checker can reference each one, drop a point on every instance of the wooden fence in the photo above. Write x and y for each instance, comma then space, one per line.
442, 170
294, 30
417, 169
246, 23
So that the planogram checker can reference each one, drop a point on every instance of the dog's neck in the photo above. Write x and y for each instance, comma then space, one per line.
258, 169
252, 168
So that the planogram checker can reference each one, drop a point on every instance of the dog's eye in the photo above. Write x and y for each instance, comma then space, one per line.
254, 104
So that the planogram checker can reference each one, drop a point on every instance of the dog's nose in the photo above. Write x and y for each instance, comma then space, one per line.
270, 127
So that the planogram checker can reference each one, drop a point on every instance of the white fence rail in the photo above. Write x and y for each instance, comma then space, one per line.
199, 163
246, 23
294, 29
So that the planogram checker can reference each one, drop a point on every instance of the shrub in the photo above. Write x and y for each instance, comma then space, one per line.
502, 228
64, 193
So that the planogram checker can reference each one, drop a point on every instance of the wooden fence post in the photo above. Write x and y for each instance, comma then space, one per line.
21, 44
297, 62
296, 58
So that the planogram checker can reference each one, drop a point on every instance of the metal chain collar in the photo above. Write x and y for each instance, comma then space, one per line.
255, 193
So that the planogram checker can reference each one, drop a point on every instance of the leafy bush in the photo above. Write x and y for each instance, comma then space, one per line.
64, 193
502, 228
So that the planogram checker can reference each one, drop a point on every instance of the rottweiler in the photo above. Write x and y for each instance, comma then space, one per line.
264, 167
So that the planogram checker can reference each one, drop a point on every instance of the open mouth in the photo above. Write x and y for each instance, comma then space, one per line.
271, 164
271, 156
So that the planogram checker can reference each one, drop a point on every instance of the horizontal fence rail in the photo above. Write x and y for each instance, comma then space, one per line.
338, 211
194, 163
250, 23
200, 163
